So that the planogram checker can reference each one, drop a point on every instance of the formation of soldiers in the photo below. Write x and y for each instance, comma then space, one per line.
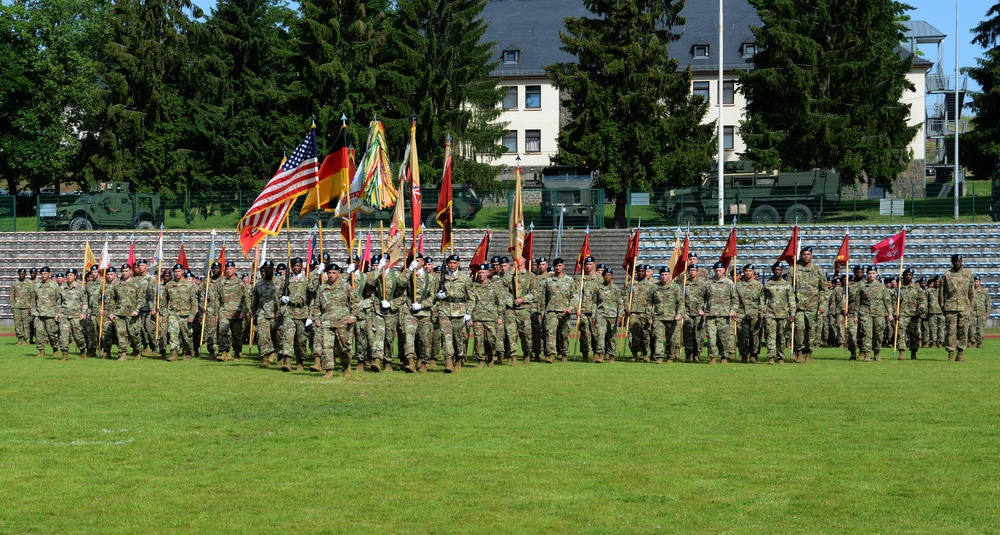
370, 317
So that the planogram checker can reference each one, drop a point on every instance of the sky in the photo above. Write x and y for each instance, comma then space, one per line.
939, 13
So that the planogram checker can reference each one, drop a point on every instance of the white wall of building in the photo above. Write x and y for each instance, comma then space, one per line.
917, 101
731, 113
523, 119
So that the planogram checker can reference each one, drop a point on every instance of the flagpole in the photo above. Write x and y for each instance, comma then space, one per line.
795, 264
208, 282
630, 284
100, 328
899, 295
159, 267
736, 340
253, 283
381, 235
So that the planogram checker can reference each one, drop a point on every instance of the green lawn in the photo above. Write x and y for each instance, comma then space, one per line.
198, 447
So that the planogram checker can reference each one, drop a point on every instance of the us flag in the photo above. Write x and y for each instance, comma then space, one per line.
297, 175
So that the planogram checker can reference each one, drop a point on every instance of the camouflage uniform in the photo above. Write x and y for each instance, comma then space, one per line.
937, 318
383, 321
180, 302
210, 320
315, 333
517, 318
694, 321
74, 305
956, 295
538, 315
452, 309
266, 294
640, 330
418, 326
336, 304
810, 297
835, 317
46, 308
778, 306
147, 324
980, 313
608, 310
362, 324
93, 289
851, 335
22, 297
720, 304
912, 304
874, 306
588, 283
748, 316
127, 298
293, 318
232, 310
487, 306
560, 295
666, 302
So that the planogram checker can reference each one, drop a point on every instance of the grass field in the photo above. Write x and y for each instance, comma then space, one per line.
198, 447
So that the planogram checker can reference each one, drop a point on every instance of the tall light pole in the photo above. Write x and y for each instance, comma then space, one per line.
957, 110
721, 129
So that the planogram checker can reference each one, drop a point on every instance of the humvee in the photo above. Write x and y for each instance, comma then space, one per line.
107, 205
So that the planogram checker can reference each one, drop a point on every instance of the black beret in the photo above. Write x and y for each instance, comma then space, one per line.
504, 260
281, 265
484, 267
326, 257
777, 265
21, 270
141, 261
188, 274
806, 249
921, 279
718, 265
589, 259
216, 264
602, 266
692, 255
437, 269
111, 269
496, 259
267, 264
872, 267
45, 269
32, 270
691, 267
955, 257
608, 270
73, 271
178, 266
664, 270
557, 262
230, 263
93, 267
908, 270
550, 269
125, 266
542, 259
296, 261
357, 258
332, 267
975, 278
428, 259
60, 275
748, 266
454, 258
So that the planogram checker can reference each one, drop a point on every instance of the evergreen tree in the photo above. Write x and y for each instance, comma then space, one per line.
633, 116
438, 69
980, 148
825, 89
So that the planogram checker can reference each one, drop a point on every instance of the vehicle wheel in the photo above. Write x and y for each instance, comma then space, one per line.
689, 216
798, 213
146, 225
80, 223
765, 214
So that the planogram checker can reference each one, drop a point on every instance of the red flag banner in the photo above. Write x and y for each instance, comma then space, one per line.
843, 254
348, 229
526, 253
182, 258
444, 200
583, 254
131, 254
222, 255
791, 250
730, 250
631, 253
482, 250
890, 248
681, 264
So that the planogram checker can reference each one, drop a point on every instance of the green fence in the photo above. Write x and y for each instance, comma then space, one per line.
8, 213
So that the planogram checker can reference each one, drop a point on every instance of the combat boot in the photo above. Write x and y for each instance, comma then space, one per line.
388, 365
854, 354
960, 356
526, 360
224, 357
264, 362
361, 366
659, 360
65, 355
316, 367
422, 367
347, 372
913, 355
212, 356
611, 357
598, 358
563, 359
633, 357
864, 357
83, 354
724, 360
480, 363
645, 358
809, 357
122, 356
770, 361
447, 365
796, 357
744, 359
712, 361
549, 359
173, 355
376, 365
458, 364
188, 356
877, 357
432, 364
286, 364
328, 374
409, 365
586, 357
951, 356
41, 352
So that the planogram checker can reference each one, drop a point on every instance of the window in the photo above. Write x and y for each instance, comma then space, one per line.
728, 88
701, 89
511, 56
510, 99
533, 96
749, 49
700, 51
727, 138
532, 141
510, 141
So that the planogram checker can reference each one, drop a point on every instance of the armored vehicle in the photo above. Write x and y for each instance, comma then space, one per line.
108, 205
767, 197
571, 188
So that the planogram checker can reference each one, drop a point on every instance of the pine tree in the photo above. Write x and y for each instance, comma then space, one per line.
980, 148
438, 70
825, 89
633, 116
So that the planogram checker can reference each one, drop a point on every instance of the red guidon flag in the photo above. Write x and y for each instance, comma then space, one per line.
792, 249
444, 200
584, 252
729, 253
681, 265
843, 254
529, 244
890, 248
631, 253
482, 250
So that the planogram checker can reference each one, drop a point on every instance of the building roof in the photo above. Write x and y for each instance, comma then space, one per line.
922, 32
532, 27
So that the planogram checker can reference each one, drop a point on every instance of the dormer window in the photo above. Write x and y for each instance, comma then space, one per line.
749, 50
700, 50
511, 56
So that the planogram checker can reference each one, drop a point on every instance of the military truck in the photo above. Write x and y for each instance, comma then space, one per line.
571, 188
464, 206
767, 197
107, 205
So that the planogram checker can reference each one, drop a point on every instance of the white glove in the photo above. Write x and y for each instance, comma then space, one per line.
309, 322
413, 265
321, 268
416, 307
468, 317
350, 269
285, 299
381, 263
442, 295
385, 304
420, 272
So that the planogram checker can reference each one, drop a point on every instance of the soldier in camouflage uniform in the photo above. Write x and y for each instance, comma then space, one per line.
362, 312
452, 297
93, 291
560, 301
45, 309
609, 311
487, 304
383, 317
694, 307
665, 310
835, 315
232, 311
179, 304
147, 286
912, 306
779, 311
750, 299
295, 310
73, 310
524, 301
637, 307
720, 315
335, 320
435, 273
980, 314
589, 281
211, 300
936, 313
128, 297
418, 327
956, 295
22, 296
538, 280
874, 307
810, 298
264, 304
